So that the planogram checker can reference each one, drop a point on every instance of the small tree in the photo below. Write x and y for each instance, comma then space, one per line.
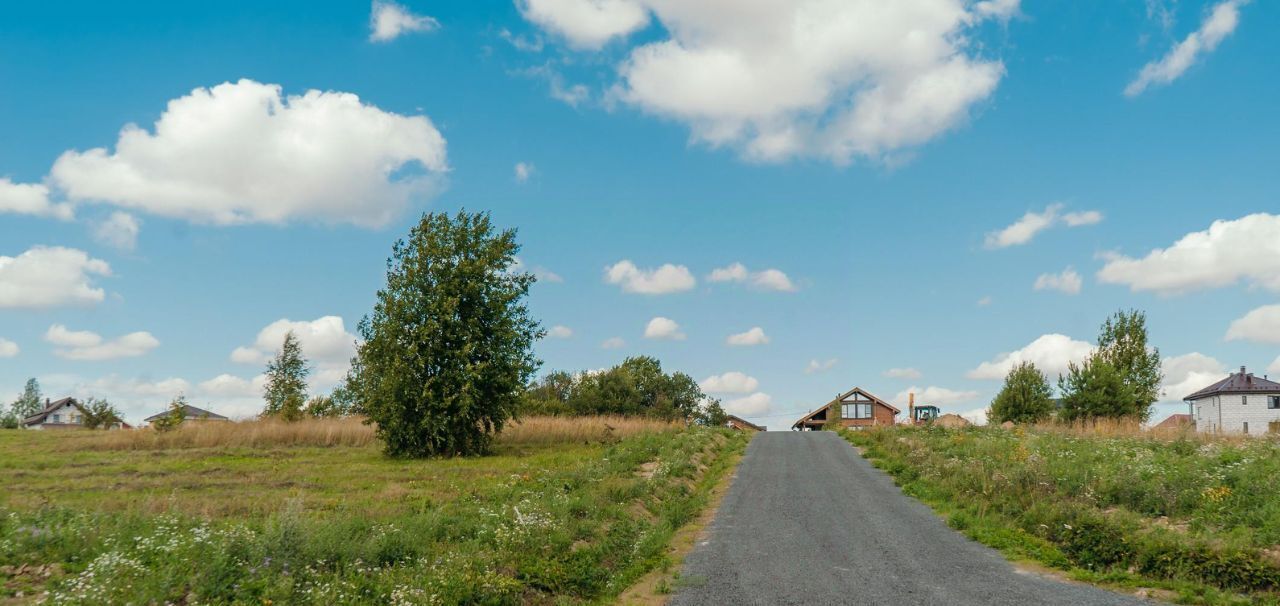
100, 414
1123, 343
175, 417
1094, 389
712, 413
30, 402
286, 388
1025, 398
448, 350
8, 420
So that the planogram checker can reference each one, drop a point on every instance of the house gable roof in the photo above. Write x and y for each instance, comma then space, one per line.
1239, 383
191, 412
39, 417
745, 422
842, 398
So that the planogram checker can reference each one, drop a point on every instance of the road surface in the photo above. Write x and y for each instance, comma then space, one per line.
808, 521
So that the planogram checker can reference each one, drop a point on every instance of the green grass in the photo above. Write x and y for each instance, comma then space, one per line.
1197, 519
559, 523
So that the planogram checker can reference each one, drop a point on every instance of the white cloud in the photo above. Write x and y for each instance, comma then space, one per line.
730, 382
1261, 325
768, 279
977, 416
817, 366
754, 336
230, 386
523, 171
663, 280
560, 332
936, 396
1032, 223
44, 277
1228, 252
1068, 282
389, 21
902, 373
754, 404
613, 343
324, 341
8, 349
541, 273
119, 230
985, 301
663, 328
244, 153
86, 345
1220, 23
140, 397
587, 24
31, 199
1275, 367
779, 80
1187, 374
1050, 353
521, 43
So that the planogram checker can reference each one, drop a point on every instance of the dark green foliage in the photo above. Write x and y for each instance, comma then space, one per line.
8, 420
30, 402
286, 388
1123, 344
175, 417
1025, 398
712, 413
1095, 389
636, 387
448, 349
100, 414
323, 406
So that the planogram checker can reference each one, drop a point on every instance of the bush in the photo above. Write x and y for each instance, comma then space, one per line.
636, 387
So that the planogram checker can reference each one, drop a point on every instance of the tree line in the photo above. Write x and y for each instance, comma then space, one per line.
1120, 379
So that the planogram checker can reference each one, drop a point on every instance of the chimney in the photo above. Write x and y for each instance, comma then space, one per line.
46, 401
1242, 370
911, 407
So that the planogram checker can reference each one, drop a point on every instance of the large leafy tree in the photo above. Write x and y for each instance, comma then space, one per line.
636, 387
100, 414
448, 349
1026, 396
1123, 344
30, 402
1095, 389
286, 387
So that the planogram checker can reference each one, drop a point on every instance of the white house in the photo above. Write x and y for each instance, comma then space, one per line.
59, 414
1240, 403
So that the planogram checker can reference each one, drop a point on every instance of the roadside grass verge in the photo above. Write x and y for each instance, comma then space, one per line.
1190, 519
545, 522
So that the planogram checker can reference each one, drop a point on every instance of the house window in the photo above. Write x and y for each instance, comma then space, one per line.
1244, 400
856, 411
57, 418
1246, 427
1273, 402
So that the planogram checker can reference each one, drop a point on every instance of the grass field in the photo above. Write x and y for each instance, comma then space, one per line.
1185, 517
562, 512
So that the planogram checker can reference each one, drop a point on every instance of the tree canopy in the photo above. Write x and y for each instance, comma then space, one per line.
286, 388
636, 387
30, 402
1121, 379
1026, 396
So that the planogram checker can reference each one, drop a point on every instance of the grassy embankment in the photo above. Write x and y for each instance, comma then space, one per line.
1179, 516
564, 511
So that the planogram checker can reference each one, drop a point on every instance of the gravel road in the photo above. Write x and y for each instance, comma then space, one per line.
808, 521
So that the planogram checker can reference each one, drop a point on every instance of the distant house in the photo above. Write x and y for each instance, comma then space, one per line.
856, 408
66, 413
741, 424
1176, 422
1240, 403
191, 413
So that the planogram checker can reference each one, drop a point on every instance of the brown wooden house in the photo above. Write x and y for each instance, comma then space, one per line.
742, 424
856, 408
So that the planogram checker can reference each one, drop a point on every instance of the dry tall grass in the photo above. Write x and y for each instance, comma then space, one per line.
1127, 428
350, 431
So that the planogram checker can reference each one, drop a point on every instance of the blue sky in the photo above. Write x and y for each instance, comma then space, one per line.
873, 154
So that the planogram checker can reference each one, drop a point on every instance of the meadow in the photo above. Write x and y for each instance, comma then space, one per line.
1180, 516
563, 511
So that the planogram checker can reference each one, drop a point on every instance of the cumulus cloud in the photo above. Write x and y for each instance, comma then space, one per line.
523, 171
31, 199
244, 153
119, 230
753, 336
541, 273
44, 277
1068, 282
902, 373
388, 21
977, 416
755, 404
808, 78
1261, 325
1050, 353
936, 396
730, 382
663, 329
663, 280
1275, 367
324, 341
1187, 374
141, 397
8, 349
1245, 249
613, 343
1220, 23
559, 332
86, 345
1032, 223
231, 386
768, 279
985, 301
817, 366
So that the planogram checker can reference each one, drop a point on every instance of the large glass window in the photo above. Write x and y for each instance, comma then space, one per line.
1273, 402
856, 411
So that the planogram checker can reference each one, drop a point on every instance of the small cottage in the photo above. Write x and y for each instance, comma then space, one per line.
740, 424
855, 408
190, 413
66, 413
1240, 403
